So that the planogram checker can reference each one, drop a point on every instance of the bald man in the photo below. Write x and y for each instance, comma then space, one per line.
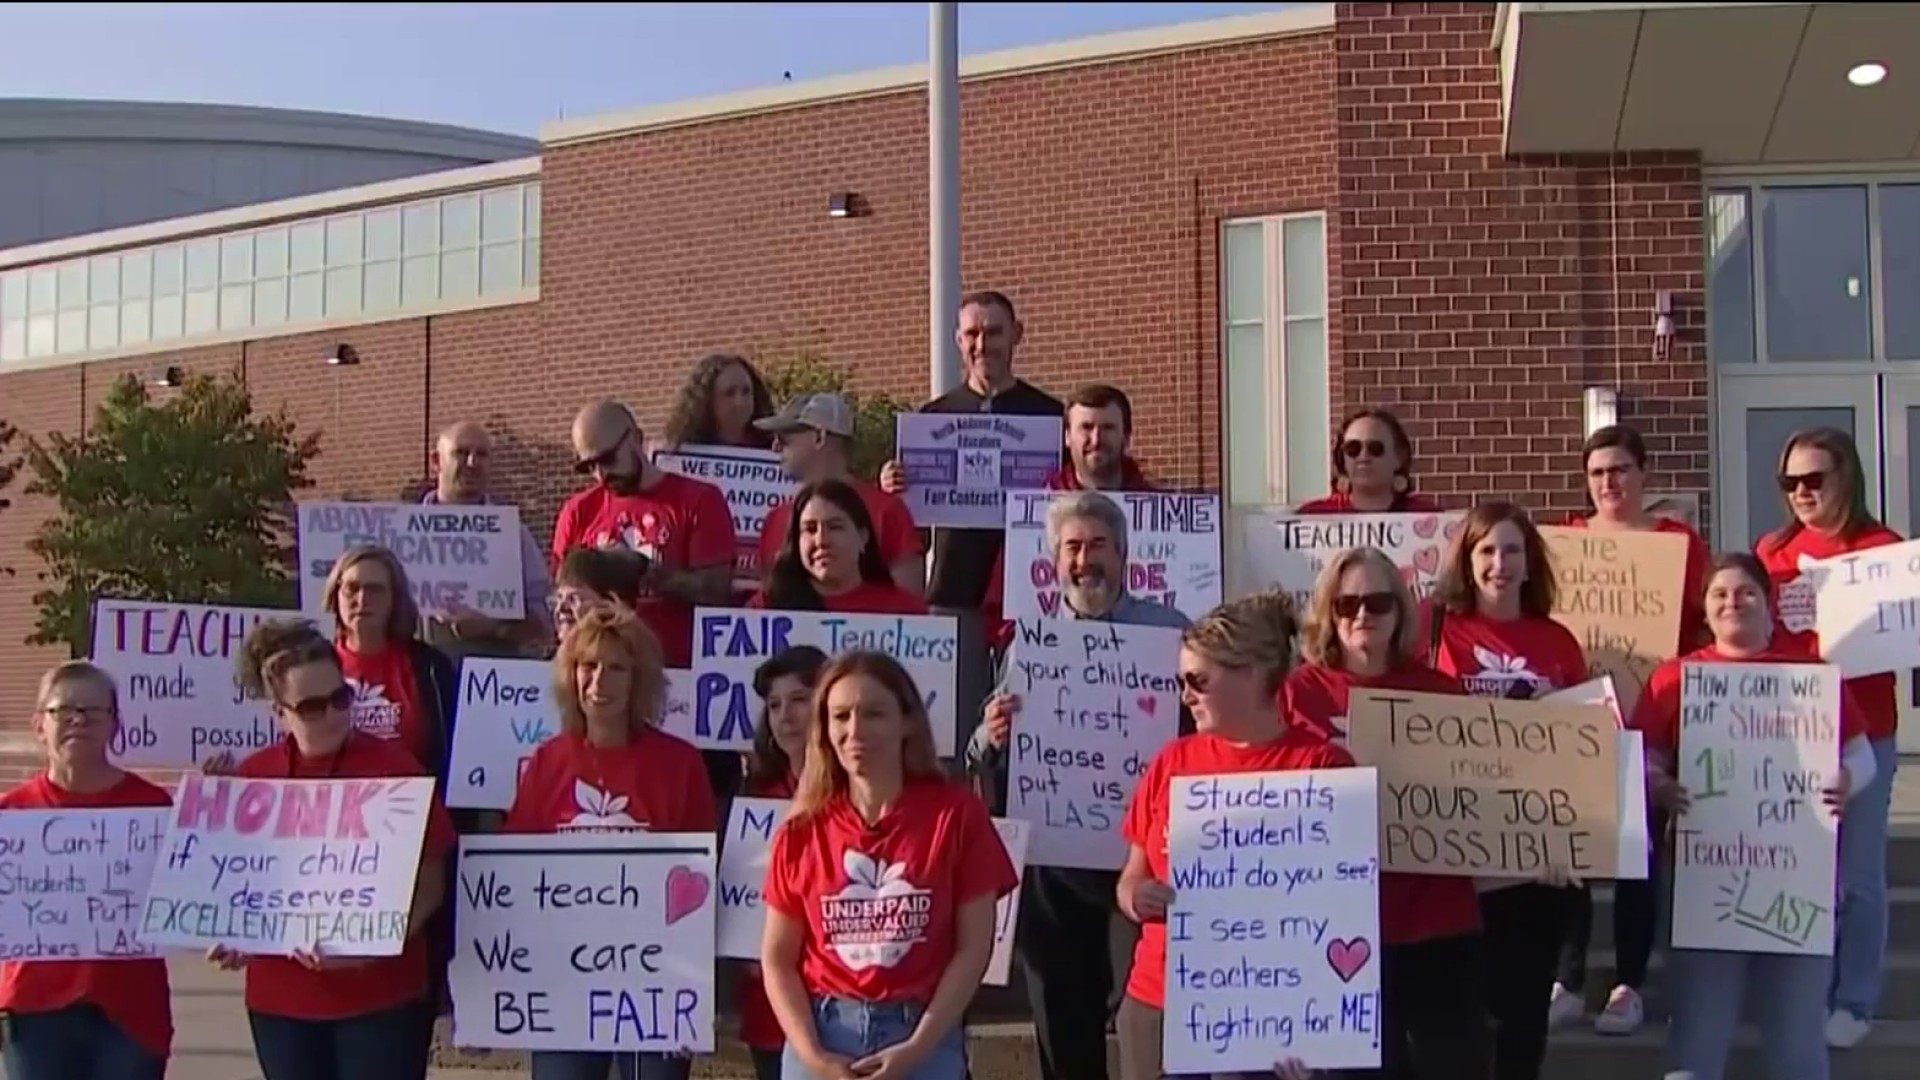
461, 464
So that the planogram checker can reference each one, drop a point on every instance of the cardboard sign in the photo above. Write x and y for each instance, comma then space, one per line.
1173, 552
455, 556
1490, 787
1754, 855
1284, 550
754, 483
961, 465
1273, 938
1620, 593
1866, 608
71, 882
1635, 841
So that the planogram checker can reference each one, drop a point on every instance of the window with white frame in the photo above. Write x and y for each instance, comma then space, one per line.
1273, 288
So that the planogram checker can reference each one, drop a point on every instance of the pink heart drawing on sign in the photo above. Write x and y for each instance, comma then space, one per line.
1453, 528
686, 890
1346, 958
1424, 527
1427, 560
1148, 704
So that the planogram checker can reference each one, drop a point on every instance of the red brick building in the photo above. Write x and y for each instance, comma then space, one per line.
1467, 212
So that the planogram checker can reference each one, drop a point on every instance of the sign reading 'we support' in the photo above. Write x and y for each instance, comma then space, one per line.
1173, 552
753, 481
1284, 550
274, 866
71, 882
455, 556
961, 465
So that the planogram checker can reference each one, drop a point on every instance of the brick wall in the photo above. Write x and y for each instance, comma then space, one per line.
1484, 293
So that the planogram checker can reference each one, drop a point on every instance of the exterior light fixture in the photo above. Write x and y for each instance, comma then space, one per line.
168, 377
843, 204
1869, 74
342, 356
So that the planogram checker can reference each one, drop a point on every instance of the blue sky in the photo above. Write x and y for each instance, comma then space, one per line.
503, 67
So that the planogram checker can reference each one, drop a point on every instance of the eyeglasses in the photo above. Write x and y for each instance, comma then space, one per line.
1194, 682
315, 707
1372, 448
602, 460
1375, 603
1812, 481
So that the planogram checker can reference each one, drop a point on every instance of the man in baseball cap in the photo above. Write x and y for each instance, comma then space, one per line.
814, 437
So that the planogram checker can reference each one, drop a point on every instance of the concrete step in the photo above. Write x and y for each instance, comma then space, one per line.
1899, 997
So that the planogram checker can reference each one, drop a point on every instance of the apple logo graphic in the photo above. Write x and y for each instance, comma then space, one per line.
878, 916
599, 810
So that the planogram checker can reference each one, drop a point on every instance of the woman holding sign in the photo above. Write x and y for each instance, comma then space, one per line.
99, 1019
1709, 985
880, 889
316, 1015
1361, 632
831, 561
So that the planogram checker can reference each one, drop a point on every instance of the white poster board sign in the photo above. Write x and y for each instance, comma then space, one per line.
585, 941
1273, 938
1866, 609
1015, 836
1285, 550
455, 556
961, 465
1097, 701
1754, 855
71, 882
273, 866
753, 481
729, 643
1173, 552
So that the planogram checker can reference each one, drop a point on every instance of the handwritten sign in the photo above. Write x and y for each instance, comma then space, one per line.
1273, 936
71, 882
1754, 855
1173, 552
1015, 836
1490, 787
961, 465
1631, 785
753, 481
455, 556
1097, 701
1866, 608
596, 942
1620, 593
1285, 550
179, 701
504, 713
729, 643
271, 866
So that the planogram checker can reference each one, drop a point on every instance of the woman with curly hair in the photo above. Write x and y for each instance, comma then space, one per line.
718, 404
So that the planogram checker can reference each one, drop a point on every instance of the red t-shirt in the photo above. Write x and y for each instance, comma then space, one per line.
1342, 503
680, 522
386, 698
133, 994
1783, 557
1693, 604
656, 782
1148, 815
759, 1028
1493, 659
866, 598
1413, 907
279, 986
893, 526
1657, 714
881, 902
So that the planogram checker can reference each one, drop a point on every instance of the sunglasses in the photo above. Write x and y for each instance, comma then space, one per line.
314, 708
1193, 682
1374, 603
1354, 448
1812, 481
603, 459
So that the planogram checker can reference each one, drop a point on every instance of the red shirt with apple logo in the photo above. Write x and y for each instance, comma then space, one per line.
656, 782
386, 699
880, 902
1525, 658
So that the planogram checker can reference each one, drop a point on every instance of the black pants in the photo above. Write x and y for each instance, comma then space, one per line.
1635, 910
725, 772
1525, 927
1075, 949
1433, 1016
392, 1044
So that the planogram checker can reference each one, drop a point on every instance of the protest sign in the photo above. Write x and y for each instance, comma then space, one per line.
71, 882
1490, 787
1866, 608
455, 556
505, 711
1097, 701
1014, 836
1284, 550
961, 465
1631, 787
753, 481
729, 643
589, 942
1754, 854
179, 700
1273, 936
1173, 552
1620, 592
272, 866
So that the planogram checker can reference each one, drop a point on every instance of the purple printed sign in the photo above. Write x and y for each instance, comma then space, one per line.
961, 465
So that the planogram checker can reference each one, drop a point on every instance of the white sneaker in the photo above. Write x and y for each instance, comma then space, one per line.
1845, 1030
1564, 1007
1623, 1014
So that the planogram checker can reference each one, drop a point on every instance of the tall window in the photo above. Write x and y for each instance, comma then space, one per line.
1276, 410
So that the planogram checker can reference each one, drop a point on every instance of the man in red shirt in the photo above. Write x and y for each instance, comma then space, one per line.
814, 436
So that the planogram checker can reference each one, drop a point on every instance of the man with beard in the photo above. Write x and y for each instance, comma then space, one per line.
1069, 917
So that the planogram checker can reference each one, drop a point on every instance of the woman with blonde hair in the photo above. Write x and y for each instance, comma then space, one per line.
880, 889
1362, 633
98, 1019
1232, 665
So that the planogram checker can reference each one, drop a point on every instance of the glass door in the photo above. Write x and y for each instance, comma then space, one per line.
1755, 417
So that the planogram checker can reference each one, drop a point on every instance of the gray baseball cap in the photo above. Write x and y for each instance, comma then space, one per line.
818, 412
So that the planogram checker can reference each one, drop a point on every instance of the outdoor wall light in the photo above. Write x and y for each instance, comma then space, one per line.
1868, 74
843, 204
342, 356
169, 377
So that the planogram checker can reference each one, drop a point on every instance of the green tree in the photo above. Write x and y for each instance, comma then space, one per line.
188, 500
807, 372
9, 468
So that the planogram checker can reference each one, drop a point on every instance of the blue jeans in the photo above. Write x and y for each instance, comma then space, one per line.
596, 1065
855, 1029
1788, 993
392, 1044
1860, 948
74, 1043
